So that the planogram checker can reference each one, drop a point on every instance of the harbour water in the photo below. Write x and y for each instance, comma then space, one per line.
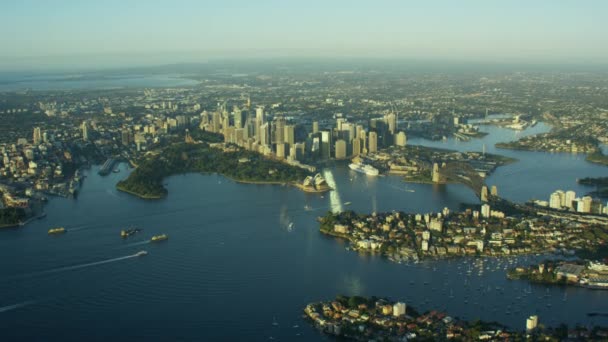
242, 257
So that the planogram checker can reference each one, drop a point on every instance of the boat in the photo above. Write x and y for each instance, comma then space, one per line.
141, 253
59, 230
307, 208
125, 233
363, 168
159, 237
347, 203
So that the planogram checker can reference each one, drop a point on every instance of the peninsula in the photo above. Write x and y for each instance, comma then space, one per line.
231, 161
378, 319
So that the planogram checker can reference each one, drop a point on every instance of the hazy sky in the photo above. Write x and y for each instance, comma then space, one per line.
111, 32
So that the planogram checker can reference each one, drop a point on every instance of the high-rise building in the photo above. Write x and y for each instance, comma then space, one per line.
570, 196
281, 151
259, 115
555, 200
325, 144
391, 121
399, 309
484, 194
125, 137
239, 117
37, 135
587, 200
435, 174
290, 135
494, 191
356, 147
264, 134
315, 127
85, 131
279, 130
531, 323
373, 142
485, 210
216, 122
340, 149
401, 139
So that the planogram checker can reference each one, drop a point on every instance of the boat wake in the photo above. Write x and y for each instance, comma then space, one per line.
16, 306
77, 267
136, 244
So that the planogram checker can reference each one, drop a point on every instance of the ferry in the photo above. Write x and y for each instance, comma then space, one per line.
59, 230
363, 168
159, 238
125, 233
141, 253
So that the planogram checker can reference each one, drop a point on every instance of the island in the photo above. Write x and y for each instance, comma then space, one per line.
600, 184
233, 162
380, 319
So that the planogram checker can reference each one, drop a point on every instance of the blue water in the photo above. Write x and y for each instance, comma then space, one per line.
233, 266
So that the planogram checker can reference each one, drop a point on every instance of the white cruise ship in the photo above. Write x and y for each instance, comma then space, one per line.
367, 169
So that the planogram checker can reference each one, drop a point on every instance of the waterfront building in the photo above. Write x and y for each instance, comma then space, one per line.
399, 309
494, 191
356, 147
570, 196
435, 174
281, 151
531, 323
555, 200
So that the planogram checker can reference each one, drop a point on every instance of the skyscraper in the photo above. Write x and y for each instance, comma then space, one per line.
340, 149
373, 142
85, 131
315, 127
325, 144
401, 139
290, 134
279, 130
37, 135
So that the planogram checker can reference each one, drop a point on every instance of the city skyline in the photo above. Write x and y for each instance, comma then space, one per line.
110, 34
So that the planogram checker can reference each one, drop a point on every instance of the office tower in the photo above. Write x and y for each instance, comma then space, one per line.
259, 115
391, 121
484, 193
359, 132
264, 134
373, 142
289, 134
239, 117
279, 130
494, 191
216, 120
339, 123
315, 127
356, 147
340, 149
85, 131
325, 144
401, 139
37, 135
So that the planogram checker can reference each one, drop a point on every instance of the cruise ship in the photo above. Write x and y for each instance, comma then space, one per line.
363, 168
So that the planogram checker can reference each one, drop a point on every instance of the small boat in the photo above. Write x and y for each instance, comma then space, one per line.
347, 203
125, 233
307, 208
141, 253
162, 237
59, 230
274, 321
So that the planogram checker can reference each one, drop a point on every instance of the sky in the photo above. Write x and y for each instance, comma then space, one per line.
41, 33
